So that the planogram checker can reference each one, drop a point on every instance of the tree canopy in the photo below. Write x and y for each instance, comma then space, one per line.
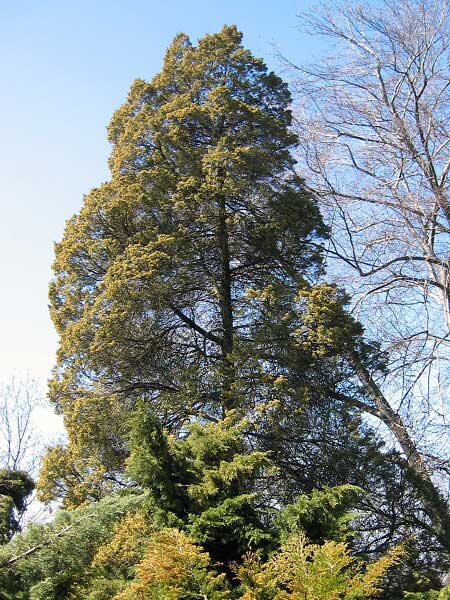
187, 279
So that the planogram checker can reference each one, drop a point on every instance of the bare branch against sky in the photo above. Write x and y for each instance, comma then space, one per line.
373, 120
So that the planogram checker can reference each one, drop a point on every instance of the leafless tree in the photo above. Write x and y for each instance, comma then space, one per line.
374, 125
21, 443
20, 446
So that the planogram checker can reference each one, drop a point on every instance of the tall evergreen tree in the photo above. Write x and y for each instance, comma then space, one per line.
178, 281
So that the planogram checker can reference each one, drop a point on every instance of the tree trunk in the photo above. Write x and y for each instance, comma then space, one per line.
435, 505
226, 305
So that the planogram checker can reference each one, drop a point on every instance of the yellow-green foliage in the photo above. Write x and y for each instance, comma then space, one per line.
301, 571
113, 565
71, 473
126, 548
174, 568
326, 328
113, 550
150, 290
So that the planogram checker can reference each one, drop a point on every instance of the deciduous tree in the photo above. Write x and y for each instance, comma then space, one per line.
374, 145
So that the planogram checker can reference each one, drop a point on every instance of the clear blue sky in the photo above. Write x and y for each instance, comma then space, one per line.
66, 65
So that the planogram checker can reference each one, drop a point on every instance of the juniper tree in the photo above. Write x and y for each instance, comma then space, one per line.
178, 282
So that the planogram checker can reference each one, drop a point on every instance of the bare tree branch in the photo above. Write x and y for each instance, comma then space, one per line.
374, 125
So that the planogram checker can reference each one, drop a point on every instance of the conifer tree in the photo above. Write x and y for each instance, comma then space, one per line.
178, 282
204, 483
196, 347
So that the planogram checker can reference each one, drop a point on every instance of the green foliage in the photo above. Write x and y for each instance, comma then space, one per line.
185, 283
230, 528
204, 481
116, 550
200, 366
76, 472
15, 488
49, 561
321, 516
303, 570
114, 562
174, 568
155, 463
443, 594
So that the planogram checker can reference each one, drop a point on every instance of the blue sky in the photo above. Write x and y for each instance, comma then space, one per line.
66, 66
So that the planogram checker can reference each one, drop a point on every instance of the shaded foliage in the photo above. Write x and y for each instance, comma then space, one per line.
15, 488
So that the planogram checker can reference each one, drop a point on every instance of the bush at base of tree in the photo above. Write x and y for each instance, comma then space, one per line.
113, 551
